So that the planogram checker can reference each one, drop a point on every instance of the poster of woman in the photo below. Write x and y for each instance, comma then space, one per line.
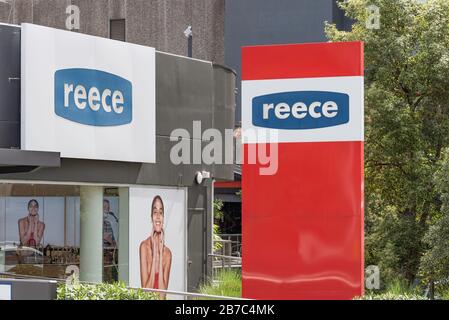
157, 245
31, 228
155, 256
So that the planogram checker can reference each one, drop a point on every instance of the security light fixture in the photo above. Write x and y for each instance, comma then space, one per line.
187, 31
201, 175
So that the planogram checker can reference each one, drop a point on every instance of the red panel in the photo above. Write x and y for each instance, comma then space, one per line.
227, 184
302, 61
319, 179
303, 227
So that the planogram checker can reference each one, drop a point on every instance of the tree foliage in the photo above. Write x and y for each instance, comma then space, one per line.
406, 126
218, 215
435, 262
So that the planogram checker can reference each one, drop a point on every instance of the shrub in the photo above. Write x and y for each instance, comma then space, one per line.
445, 295
218, 215
397, 289
102, 291
391, 296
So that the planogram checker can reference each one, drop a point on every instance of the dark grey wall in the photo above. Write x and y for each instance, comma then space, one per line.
9, 87
199, 213
259, 22
341, 21
23, 289
155, 23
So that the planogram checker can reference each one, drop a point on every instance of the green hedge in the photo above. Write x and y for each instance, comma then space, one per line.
102, 291
391, 296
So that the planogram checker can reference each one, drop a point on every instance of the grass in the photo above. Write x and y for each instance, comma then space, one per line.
396, 290
228, 283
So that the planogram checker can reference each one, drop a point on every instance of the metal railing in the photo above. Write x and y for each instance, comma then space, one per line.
222, 262
231, 244
225, 260
171, 294
229, 256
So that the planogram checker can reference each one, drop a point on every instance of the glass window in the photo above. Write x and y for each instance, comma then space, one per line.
40, 228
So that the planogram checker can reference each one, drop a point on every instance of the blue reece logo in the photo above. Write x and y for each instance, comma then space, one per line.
300, 110
93, 97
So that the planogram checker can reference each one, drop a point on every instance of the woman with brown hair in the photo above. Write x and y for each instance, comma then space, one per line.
31, 229
155, 257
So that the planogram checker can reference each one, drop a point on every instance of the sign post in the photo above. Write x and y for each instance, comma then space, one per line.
302, 221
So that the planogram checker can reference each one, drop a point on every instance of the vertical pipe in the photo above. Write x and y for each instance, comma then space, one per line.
211, 226
2, 232
189, 46
123, 245
91, 233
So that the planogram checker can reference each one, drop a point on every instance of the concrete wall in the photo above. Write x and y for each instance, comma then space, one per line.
155, 23
9, 87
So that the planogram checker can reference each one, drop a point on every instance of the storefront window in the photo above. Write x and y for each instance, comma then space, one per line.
40, 230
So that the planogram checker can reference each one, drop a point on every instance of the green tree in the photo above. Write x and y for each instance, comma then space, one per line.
406, 125
435, 261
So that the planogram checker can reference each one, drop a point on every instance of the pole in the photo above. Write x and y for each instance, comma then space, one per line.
189, 46
91, 233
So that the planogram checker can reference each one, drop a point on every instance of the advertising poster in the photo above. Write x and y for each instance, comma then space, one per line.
35, 239
157, 238
41, 235
29, 219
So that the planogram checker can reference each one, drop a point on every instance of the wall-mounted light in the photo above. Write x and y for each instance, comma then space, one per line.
188, 31
201, 175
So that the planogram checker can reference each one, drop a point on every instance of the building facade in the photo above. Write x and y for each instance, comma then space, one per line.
191, 88
159, 24
71, 193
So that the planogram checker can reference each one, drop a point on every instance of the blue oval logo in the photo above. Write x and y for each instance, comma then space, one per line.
93, 97
300, 110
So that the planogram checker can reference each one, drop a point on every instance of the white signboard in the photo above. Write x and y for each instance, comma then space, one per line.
5, 291
346, 124
87, 97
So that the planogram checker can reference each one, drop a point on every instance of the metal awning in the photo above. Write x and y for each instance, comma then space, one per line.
16, 160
